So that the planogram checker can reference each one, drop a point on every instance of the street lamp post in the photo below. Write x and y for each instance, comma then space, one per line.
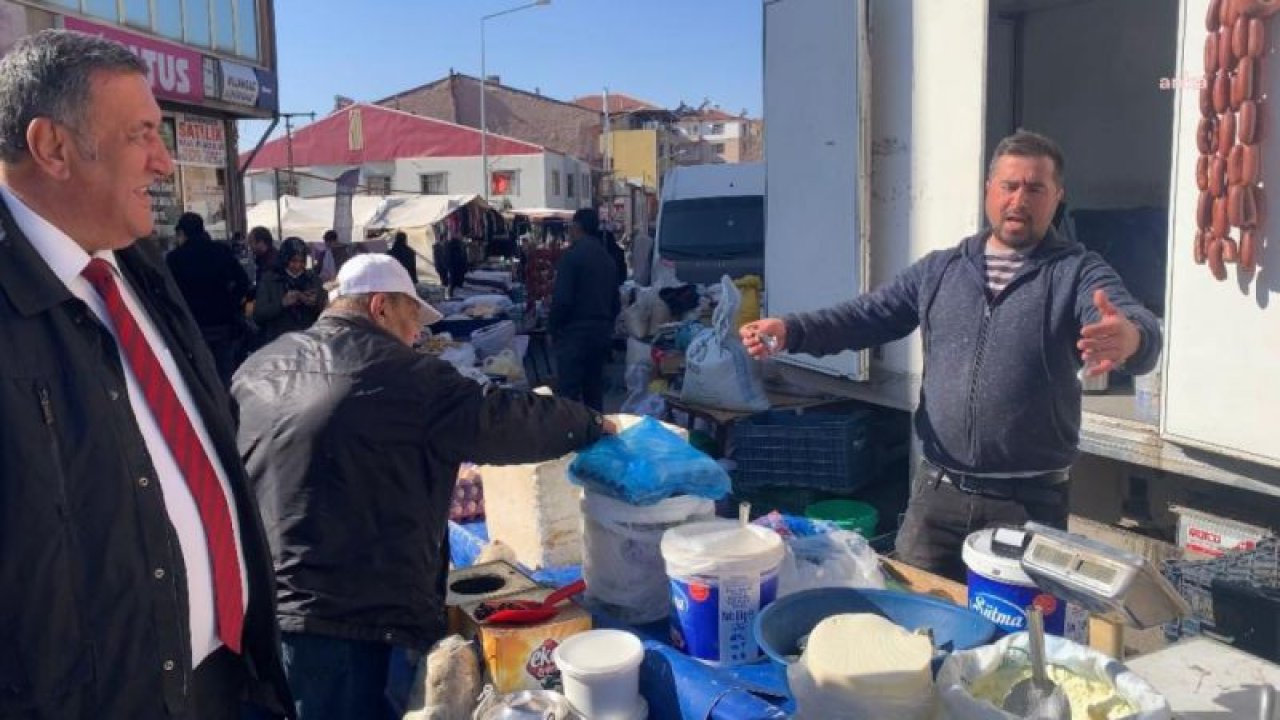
484, 79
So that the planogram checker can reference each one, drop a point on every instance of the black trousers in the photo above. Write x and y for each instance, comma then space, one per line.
217, 685
940, 516
580, 361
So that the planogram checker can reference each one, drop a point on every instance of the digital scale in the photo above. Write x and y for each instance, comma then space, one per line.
1110, 583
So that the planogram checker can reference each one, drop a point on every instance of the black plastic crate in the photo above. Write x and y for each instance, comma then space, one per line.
822, 451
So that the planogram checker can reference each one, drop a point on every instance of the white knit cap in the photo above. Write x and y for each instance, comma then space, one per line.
378, 273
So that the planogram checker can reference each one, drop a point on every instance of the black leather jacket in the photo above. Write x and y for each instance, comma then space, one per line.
353, 442
88, 627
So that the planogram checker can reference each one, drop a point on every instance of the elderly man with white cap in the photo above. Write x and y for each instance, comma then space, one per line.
352, 441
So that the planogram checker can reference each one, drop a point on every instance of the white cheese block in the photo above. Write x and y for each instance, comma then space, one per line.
863, 665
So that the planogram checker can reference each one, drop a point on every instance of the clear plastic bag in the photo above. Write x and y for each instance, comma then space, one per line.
647, 463
836, 559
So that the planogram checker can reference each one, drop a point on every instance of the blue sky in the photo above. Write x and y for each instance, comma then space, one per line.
663, 51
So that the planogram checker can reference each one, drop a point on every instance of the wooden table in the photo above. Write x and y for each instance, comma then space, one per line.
924, 582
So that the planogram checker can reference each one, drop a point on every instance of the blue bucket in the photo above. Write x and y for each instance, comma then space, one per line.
1001, 592
722, 574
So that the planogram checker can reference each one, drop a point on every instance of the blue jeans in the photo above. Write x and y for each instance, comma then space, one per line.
336, 679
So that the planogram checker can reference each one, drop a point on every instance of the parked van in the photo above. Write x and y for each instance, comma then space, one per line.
711, 221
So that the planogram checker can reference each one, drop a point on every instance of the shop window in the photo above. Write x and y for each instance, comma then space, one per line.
570, 187
247, 29
195, 19
378, 184
168, 18
224, 24
555, 183
138, 13
105, 9
435, 183
504, 182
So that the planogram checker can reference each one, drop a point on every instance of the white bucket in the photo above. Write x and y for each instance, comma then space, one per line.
722, 574
600, 670
1001, 591
622, 561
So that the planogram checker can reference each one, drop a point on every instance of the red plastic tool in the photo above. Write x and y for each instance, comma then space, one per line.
529, 612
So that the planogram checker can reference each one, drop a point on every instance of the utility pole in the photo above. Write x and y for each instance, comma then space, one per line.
288, 135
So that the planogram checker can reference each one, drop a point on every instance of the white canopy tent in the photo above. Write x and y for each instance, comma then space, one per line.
309, 218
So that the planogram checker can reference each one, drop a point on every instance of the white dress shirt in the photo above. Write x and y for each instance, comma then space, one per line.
67, 260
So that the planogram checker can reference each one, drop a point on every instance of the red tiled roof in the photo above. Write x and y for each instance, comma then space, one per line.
388, 135
716, 114
618, 103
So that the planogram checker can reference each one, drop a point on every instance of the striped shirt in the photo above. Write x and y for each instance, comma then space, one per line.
1000, 270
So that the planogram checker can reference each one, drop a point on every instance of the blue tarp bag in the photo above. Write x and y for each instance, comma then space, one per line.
648, 463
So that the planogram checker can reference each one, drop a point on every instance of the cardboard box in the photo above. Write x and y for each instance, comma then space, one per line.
519, 657
1211, 535
474, 584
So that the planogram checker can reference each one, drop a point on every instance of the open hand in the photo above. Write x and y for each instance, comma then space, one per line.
763, 338
1108, 343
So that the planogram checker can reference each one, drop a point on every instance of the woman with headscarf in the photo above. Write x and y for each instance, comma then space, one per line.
401, 251
291, 296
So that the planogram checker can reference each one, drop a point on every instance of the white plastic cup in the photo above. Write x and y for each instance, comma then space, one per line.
600, 670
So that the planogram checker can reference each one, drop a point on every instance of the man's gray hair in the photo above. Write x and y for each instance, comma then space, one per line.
48, 75
1025, 143
357, 303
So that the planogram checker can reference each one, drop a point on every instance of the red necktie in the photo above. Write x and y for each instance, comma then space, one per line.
187, 450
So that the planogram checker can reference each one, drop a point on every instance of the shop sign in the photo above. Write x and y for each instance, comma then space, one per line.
201, 141
175, 72
268, 95
239, 84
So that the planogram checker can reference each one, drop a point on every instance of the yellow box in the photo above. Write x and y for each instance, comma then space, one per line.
519, 657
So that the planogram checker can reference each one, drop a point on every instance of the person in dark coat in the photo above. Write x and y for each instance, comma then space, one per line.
290, 297
214, 285
401, 251
135, 572
456, 256
353, 441
263, 247
584, 308
616, 252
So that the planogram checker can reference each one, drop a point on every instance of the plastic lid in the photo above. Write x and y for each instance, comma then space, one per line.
981, 558
714, 546
599, 652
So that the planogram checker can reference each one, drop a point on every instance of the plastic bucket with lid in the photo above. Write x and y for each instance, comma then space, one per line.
848, 515
622, 561
721, 574
1000, 590
600, 670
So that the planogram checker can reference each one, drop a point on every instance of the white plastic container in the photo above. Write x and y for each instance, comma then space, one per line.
722, 573
622, 558
600, 670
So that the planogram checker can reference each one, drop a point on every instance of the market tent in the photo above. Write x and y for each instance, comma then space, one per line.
309, 218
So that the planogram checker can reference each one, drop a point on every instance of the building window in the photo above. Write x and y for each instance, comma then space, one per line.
717, 148
555, 183
504, 182
378, 184
247, 28
168, 19
571, 186
717, 129
138, 13
224, 25
435, 183
586, 187
195, 20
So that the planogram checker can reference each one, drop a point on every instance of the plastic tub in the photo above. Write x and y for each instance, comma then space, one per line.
600, 670
1000, 591
848, 515
722, 574
622, 559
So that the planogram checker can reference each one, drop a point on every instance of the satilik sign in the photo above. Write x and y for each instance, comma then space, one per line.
175, 72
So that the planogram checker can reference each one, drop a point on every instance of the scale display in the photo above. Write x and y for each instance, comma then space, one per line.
1113, 583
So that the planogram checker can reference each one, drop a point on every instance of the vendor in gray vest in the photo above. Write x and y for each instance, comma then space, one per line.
1008, 317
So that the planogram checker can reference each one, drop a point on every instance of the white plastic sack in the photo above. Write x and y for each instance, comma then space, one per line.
462, 357
642, 318
493, 339
835, 559
501, 302
962, 669
718, 371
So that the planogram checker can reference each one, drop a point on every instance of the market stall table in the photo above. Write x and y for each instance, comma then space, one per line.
1203, 678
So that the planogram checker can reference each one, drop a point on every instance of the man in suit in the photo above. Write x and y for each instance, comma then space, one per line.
136, 575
